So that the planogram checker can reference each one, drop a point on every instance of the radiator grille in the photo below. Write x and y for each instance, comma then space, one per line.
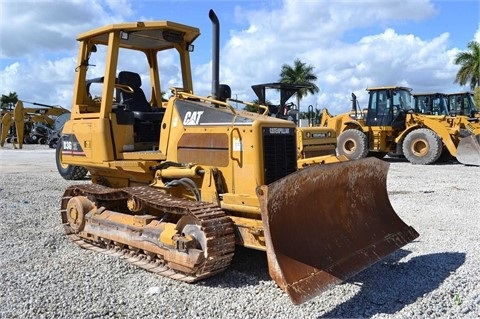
279, 153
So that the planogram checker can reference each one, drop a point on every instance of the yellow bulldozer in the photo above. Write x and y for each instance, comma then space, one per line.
177, 184
390, 124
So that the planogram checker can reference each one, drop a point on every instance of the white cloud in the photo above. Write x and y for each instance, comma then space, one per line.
38, 44
314, 31
477, 34
41, 81
38, 47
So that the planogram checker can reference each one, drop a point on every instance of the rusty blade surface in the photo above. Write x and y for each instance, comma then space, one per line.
325, 223
468, 150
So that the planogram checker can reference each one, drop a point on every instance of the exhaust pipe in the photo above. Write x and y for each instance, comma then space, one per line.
354, 102
354, 106
215, 53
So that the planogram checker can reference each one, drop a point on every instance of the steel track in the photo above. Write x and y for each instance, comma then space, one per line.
216, 225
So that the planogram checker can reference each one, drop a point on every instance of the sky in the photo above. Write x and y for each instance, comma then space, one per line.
351, 44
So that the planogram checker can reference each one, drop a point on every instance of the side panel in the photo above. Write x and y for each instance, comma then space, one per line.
212, 148
88, 141
216, 138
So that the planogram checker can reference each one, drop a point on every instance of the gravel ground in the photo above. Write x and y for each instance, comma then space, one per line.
43, 275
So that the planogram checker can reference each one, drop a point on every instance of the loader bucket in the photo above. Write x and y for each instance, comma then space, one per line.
468, 150
325, 223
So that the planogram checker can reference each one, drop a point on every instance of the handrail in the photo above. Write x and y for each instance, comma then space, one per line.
186, 95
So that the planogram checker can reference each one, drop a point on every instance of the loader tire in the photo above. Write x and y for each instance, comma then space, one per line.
68, 172
353, 144
422, 146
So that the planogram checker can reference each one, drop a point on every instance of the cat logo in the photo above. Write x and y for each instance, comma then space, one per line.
192, 118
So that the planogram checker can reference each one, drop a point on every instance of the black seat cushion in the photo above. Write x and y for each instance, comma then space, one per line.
135, 101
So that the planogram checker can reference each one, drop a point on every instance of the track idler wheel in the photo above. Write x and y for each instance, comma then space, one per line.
77, 208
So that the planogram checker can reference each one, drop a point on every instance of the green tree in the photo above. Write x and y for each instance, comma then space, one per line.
299, 73
476, 97
469, 62
254, 109
8, 101
315, 116
251, 108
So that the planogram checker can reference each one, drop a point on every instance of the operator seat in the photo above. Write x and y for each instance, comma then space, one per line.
135, 101
146, 120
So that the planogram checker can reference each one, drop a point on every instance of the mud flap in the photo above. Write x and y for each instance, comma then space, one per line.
325, 223
468, 150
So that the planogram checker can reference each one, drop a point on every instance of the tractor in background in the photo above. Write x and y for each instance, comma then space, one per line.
390, 124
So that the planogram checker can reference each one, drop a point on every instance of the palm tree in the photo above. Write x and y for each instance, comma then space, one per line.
300, 73
8, 101
469, 66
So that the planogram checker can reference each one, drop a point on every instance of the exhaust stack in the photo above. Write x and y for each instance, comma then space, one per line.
215, 53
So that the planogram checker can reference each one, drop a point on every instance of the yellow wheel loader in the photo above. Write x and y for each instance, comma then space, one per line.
431, 103
6, 128
13, 125
177, 184
39, 121
462, 103
390, 124
32, 124
16, 122
453, 104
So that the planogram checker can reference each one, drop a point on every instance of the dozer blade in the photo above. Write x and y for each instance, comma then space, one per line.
468, 150
325, 223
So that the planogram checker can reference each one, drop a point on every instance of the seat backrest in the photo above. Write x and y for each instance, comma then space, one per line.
135, 101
